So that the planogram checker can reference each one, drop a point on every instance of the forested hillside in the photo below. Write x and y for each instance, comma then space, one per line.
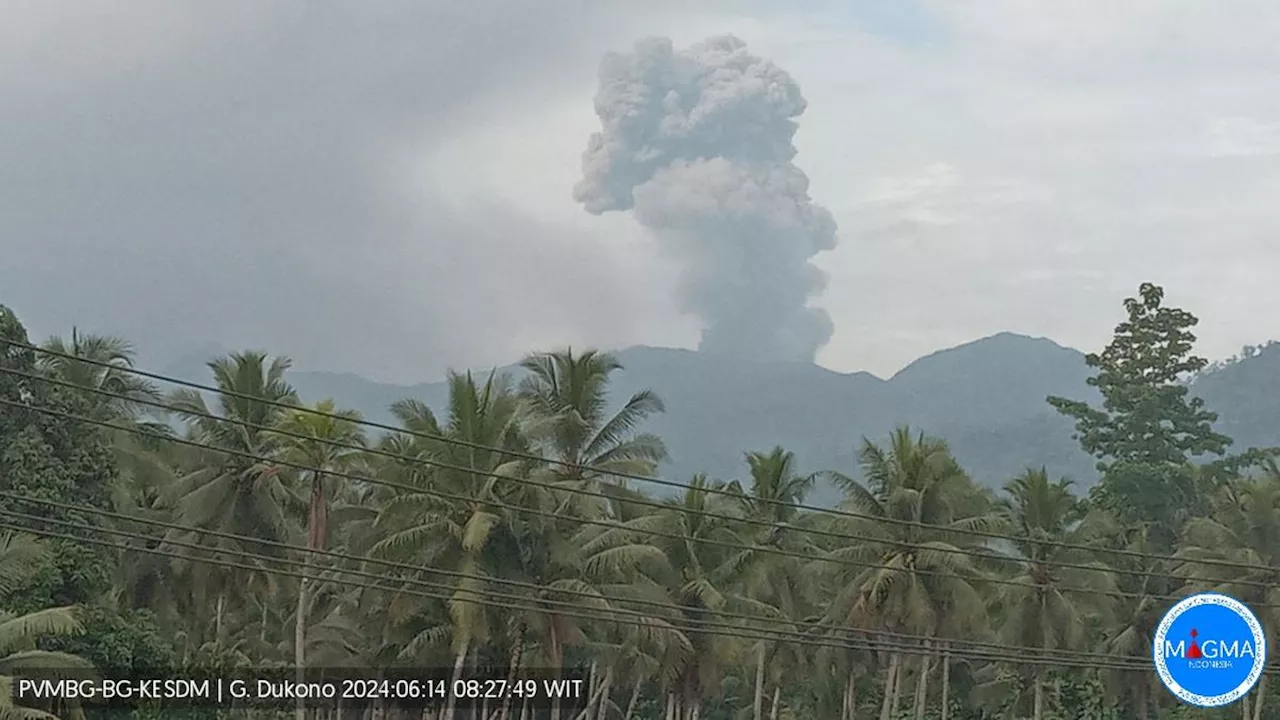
986, 398
514, 524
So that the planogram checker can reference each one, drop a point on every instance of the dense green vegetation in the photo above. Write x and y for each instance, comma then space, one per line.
504, 530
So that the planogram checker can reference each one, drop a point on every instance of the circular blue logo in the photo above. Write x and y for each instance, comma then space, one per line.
1209, 650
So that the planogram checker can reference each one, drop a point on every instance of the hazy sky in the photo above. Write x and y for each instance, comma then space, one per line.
386, 186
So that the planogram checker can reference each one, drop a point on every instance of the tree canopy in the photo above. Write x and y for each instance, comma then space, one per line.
1148, 429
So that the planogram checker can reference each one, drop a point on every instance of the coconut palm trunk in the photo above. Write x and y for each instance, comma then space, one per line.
850, 696
517, 653
631, 703
555, 657
1258, 697
594, 685
219, 611
317, 531
759, 696
890, 681
922, 687
606, 687
458, 662
300, 638
898, 680
946, 683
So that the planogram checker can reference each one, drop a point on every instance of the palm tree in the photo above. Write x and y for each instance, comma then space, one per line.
20, 559
326, 440
770, 581
1137, 610
694, 662
578, 567
917, 486
105, 364
1243, 527
1050, 606
108, 370
228, 489
657, 650
566, 404
19, 652
450, 534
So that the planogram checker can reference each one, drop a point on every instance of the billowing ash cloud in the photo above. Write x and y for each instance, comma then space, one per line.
698, 143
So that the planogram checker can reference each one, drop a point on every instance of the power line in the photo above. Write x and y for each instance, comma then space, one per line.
610, 524
362, 573
645, 502
701, 624
839, 512
448, 573
797, 638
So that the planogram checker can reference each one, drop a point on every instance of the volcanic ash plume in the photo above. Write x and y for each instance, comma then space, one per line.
698, 143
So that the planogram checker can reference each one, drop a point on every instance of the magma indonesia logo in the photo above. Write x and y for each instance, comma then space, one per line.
1209, 650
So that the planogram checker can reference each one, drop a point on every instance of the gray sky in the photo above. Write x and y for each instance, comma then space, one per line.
385, 187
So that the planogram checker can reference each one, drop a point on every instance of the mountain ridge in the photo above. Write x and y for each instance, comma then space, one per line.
986, 398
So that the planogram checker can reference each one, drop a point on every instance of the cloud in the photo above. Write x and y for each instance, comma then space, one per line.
244, 174
386, 187
1030, 166
1242, 137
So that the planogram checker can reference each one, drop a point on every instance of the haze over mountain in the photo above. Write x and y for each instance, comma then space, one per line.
986, 398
